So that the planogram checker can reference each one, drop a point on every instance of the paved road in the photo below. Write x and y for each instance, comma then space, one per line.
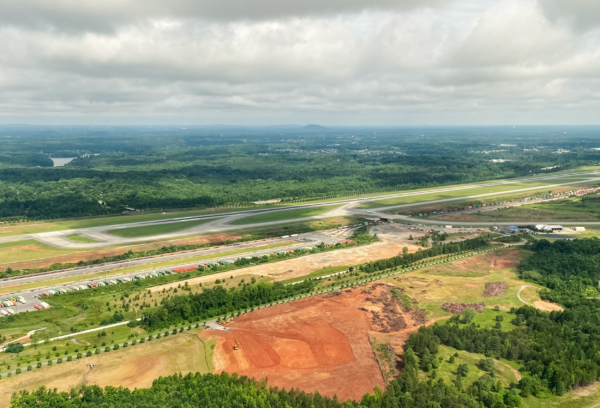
222, 222
33, 296
293, 242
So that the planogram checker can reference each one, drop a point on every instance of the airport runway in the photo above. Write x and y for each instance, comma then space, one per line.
222, 222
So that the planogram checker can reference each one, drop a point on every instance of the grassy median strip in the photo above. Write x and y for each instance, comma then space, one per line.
284, 215
136, 232
81, 239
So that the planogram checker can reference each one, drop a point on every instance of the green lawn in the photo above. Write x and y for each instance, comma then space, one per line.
28, 250
81, 239
317, 274
447, 370
76, 223
149, 230
284, 215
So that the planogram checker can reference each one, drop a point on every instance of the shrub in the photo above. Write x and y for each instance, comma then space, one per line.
486, 364
14, 348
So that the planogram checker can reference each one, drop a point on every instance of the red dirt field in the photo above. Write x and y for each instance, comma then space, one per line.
314, 344
319, 343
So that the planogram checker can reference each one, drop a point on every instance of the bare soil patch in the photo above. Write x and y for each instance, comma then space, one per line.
320, 343
495, 289
457, 308
548, 306
315, 344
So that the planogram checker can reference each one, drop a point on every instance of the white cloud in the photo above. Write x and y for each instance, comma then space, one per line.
484, 62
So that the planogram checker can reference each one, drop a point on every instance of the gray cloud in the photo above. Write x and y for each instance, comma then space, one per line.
580, 14
470, 61
108, 14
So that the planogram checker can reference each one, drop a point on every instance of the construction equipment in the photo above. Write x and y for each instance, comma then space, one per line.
235, 345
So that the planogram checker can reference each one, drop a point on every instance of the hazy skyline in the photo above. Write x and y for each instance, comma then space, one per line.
333, 62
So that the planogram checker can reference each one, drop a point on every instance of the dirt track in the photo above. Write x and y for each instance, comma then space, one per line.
390, 245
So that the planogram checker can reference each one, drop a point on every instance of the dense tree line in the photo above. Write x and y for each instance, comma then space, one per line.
217, 301
405, 260
557, 350
225, 390
569, 269
146, 170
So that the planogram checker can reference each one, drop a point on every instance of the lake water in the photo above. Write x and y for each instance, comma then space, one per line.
59, 162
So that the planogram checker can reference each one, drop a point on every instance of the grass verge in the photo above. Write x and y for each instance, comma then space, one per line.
81, 239
284, 215
148, 230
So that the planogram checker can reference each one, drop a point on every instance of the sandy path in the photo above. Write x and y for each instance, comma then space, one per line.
305, 265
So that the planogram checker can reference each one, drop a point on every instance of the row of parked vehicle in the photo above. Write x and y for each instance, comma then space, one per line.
152, 275
42, 305
89, 285
11, 301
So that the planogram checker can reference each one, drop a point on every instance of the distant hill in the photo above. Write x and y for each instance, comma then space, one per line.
313, 127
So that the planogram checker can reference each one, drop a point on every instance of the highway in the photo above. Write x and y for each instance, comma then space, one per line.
222, 222
81, 276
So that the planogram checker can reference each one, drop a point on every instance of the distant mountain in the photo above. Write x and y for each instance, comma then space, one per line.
313, 128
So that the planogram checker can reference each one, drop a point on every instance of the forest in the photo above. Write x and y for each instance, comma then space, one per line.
224, 390
557, 350
169, 167
220, 301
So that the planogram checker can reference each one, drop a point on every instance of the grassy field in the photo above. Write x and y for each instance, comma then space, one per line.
317, 274
156, 265
573, 208
470, 191
298, 227
587, 397
81, 239
132, 367
76, 223
463, 281
27, 250
447, 370
284, 215
136, 232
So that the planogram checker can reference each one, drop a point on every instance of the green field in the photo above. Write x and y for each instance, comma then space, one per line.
76, 223
149, 230
470, 192
284, 215
81, 238
447, 370
28, 250
317, 274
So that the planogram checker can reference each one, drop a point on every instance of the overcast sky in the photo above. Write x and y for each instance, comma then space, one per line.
332, 62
